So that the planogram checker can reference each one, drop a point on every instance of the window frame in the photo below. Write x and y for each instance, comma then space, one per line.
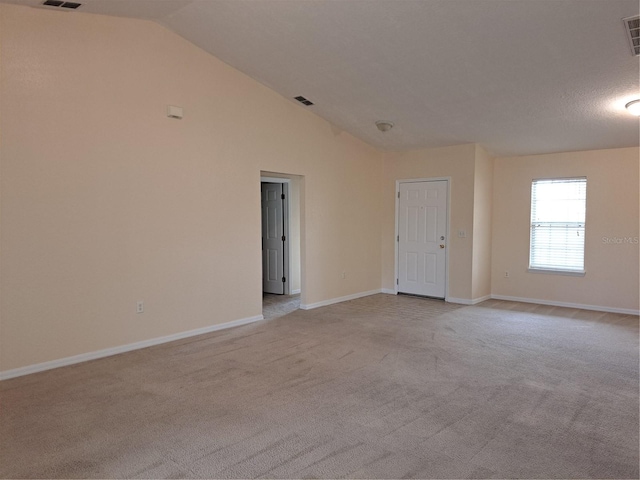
557, 270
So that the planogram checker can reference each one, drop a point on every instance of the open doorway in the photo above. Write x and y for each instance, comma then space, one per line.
281, 227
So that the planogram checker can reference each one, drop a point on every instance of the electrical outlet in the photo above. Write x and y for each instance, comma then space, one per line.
140, 307
506, 274
344, 275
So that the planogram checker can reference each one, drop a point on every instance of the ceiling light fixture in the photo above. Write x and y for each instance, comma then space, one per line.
634, 107
384, 126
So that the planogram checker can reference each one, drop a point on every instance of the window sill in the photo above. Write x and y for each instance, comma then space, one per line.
571, 273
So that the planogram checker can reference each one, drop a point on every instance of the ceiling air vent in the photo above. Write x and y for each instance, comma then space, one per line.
632, 26
304, 101
58, 3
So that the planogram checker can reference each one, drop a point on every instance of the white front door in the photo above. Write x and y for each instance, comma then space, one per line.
422, 242
272, 238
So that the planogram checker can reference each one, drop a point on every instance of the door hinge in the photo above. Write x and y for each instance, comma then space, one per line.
397, 282
282, 196
284, 279
284, 238
398, 194
398, 238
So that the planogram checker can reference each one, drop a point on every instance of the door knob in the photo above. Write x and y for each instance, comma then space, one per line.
441, 246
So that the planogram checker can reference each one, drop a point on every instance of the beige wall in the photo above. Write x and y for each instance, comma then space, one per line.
611, 278
482, 212
458, 163
294, 232
106, 201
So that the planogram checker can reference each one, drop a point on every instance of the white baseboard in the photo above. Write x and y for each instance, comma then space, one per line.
331, 301
294, 292
107, 352
481, 299
467, 301
40, 367
582, 306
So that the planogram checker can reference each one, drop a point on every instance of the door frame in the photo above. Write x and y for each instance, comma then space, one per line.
448, 230
285, 217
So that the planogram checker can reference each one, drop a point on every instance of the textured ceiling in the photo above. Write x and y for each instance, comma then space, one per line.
517, 76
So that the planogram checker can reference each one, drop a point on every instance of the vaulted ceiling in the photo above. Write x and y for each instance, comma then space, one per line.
518, 76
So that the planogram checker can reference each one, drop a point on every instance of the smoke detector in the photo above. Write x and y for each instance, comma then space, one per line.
384, 125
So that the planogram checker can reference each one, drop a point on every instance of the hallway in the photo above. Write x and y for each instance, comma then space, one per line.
274, 306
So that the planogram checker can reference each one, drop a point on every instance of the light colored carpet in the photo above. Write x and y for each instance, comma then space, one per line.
379, 387
274, 306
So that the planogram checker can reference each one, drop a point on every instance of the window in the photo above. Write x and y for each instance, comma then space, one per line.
558, 209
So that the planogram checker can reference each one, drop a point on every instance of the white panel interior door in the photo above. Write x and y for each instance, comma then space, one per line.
272, 238
422, 230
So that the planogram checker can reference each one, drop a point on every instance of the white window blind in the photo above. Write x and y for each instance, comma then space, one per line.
558, 209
